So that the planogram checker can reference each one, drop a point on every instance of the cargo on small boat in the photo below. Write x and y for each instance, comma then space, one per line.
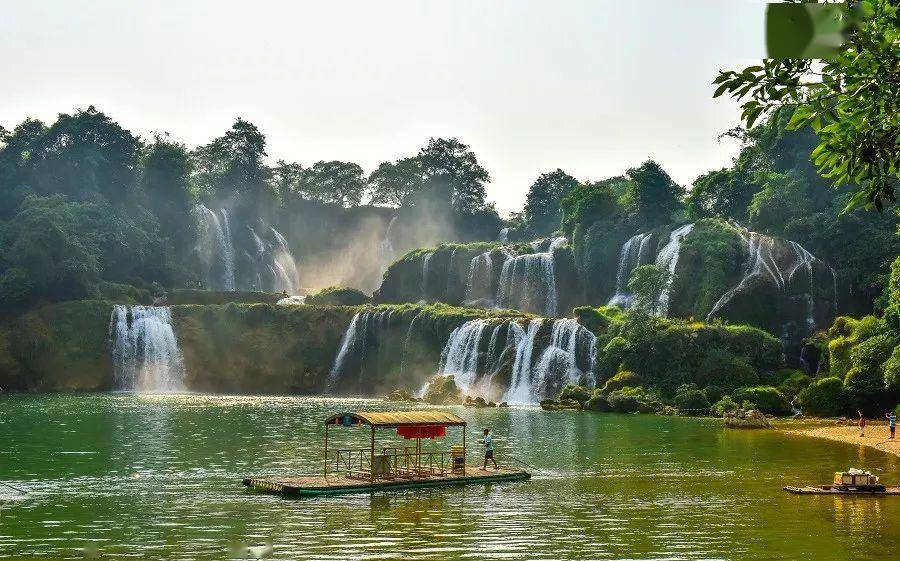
389, 467
851, 482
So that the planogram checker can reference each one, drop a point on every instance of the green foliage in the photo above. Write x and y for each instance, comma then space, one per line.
647, 283
723, 406
449, 166
611, 357
632, 400
621, 380
712, 262
825, 397
794, 383
651, 196
691, 401
394, 184
724, 193
542, 213
339, 296
767, 399
580, 394
844, 335
849, 101
587, 204
336, 183
597, 402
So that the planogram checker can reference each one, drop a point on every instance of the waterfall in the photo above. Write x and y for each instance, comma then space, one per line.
460, 354
215, 247
478, 286
668, 259
287, 277
361, 334
635, 252
145, 353
520, 387
503, 236
558, 364
386, 248
528, 282
426, 263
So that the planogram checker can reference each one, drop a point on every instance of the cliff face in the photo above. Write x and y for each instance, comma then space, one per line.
58, 347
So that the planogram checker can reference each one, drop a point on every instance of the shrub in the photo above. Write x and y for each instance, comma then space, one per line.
713, 393
624, 379
794, 384
724, 405
610, 358
580, 394
632, 400
767, 399
597, 402
723, 369
824, 397
692, 402
338, 296
892, 370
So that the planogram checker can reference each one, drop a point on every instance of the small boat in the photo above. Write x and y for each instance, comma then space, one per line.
388, 468
851, 482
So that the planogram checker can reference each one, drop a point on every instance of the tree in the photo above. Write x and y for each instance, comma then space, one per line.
723, 193
651, 196
15, 178
232, 167
47, 252
588, 203
451, 169
339, 183
84, 155
648, 283
851, 101
287, 179
394, 184
542, 207
166, 181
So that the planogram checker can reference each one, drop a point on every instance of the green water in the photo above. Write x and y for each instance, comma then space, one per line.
125, 477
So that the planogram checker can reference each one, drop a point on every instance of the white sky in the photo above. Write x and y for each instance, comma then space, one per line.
592, 86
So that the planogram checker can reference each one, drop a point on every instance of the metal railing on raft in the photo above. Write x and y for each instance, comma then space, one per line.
391, 463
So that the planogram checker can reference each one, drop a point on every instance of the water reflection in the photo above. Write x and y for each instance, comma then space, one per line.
157, 478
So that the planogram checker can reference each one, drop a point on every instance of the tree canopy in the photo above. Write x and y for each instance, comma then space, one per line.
542, 213
851, 101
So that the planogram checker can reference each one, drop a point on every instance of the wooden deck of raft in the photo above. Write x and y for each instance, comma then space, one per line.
830, 490
313, 485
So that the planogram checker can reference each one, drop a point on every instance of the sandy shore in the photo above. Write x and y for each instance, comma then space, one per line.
876, 436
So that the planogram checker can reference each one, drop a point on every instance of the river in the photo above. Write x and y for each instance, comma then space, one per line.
158, 477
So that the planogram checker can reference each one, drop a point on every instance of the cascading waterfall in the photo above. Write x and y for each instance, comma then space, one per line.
360, 336
668, 259
771, 261
215, 247
503, 236
145, 353
287, 278
478, 286
558, 364
635, 252
528, 282
520, 387
460, 354
386, 248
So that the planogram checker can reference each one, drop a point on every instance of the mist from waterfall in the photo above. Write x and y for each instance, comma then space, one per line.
215, 247
272, 266
145, 352
386, 248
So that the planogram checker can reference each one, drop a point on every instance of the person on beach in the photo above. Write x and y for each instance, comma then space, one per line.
488, 442
892, 423
862, 424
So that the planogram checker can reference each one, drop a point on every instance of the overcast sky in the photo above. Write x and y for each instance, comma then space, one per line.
592, 86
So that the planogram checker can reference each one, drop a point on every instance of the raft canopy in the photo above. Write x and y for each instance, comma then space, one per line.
391, 419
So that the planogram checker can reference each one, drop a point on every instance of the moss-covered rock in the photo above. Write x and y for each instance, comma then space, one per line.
442, 390
216, 297
57, 347
338, 296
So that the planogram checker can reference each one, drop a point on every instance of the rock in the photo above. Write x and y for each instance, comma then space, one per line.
443, 391
477, 402
560, 405
503, 404
751, 419
401, 395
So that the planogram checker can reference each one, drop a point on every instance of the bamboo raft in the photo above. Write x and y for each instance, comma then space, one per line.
317, 485
877, 490
389, 468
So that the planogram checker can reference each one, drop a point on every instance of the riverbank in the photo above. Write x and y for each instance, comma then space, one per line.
876, 436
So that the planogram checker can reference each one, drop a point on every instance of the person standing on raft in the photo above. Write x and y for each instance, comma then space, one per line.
488, 442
